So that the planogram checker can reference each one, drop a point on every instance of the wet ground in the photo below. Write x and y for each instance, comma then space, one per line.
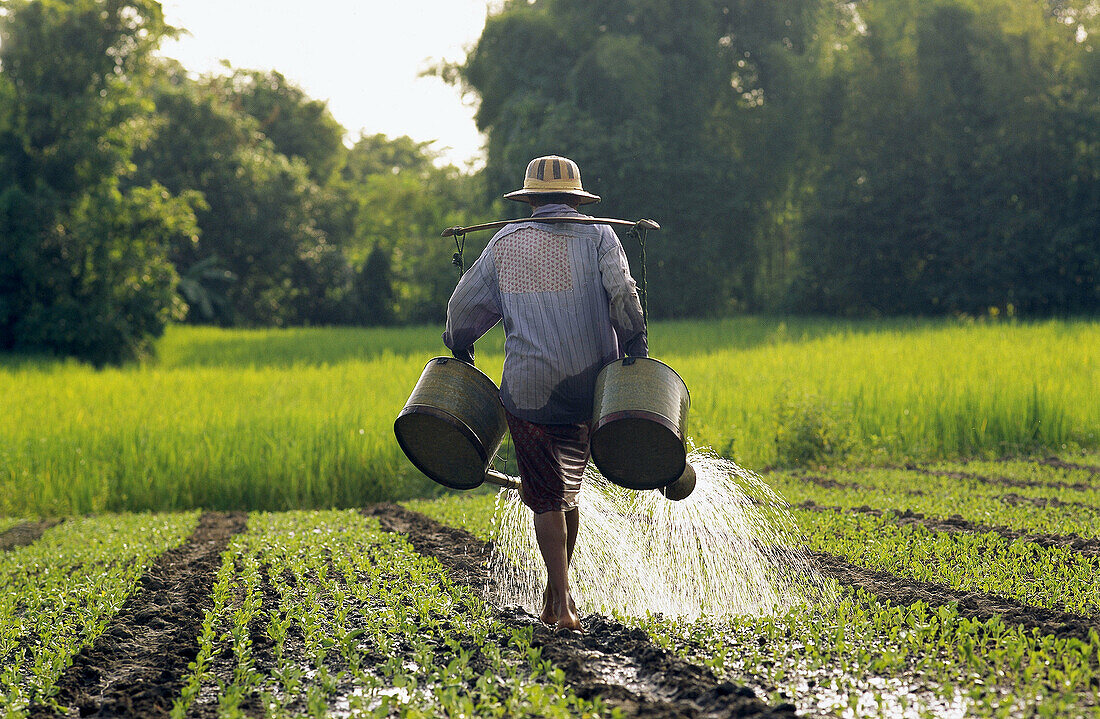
617, 663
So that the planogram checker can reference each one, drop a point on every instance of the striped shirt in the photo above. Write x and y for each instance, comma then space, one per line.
569, 307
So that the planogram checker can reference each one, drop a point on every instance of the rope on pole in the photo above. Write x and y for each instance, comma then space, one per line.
639, 232
456, 258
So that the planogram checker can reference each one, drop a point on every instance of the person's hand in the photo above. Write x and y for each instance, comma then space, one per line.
637, 347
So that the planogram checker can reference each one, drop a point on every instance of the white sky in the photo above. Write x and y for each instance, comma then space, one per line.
363, 58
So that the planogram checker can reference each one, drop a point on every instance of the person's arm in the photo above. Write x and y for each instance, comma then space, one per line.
622, 293
473, 309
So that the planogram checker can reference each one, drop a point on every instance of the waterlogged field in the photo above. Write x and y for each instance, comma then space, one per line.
283, 419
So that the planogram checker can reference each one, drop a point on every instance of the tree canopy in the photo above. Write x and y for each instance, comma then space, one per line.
878, 157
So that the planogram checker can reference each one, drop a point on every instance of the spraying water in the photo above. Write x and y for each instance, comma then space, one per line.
730, 548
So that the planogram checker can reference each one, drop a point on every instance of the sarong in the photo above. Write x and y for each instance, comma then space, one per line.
551, 459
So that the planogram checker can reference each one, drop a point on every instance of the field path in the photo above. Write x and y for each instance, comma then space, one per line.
137, 666
616, 663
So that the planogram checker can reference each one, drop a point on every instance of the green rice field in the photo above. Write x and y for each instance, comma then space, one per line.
302, 418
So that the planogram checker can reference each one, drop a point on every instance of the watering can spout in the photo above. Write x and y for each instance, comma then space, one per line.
683, 486
502, 480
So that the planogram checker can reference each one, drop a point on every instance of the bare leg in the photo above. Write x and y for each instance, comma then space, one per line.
552, 533
572, 524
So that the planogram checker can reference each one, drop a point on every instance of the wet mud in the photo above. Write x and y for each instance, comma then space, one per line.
25, 533
138, 665
975, 605
609, 660
956, 524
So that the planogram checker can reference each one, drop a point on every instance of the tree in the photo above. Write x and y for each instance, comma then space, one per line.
83, 265
298, 126
400, 201
957, 174
682, 113
260, 212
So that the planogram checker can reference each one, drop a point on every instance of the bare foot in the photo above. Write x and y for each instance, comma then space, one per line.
549, 607
568, 617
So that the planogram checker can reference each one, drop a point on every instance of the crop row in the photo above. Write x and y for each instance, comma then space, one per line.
323, 610
1049, 577
1031, 509
1081, 468
57, 595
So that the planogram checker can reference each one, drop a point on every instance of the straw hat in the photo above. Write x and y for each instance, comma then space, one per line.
552, 175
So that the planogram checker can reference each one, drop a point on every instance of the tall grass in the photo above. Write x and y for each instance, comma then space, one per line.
276, 419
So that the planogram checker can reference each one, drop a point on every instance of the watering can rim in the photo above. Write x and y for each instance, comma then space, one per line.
442, 359
631, 360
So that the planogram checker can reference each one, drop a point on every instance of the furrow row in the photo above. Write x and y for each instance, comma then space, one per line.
1002, 480
24, 533
955, 524
977, 605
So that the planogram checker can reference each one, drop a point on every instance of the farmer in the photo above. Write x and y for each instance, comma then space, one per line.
569, 306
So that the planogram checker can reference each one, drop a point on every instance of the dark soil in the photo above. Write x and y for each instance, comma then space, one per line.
609, 660
956, 524
977, 605
1044, 502
995, 479
137, 666
826, 482
24, 533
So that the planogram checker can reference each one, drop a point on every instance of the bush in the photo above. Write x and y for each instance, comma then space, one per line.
807, 432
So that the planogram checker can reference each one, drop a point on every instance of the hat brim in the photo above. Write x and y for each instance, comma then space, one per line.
586, 198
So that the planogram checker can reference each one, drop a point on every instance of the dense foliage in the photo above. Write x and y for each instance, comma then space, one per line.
876, 158
83, 255
132, 193
879, 157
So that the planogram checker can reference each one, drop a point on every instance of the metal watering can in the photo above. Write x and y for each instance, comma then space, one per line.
638, 420
453, 423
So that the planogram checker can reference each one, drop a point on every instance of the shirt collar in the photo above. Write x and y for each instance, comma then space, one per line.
554, 211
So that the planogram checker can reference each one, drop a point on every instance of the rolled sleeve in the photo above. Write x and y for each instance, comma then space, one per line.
622, 293
474, 306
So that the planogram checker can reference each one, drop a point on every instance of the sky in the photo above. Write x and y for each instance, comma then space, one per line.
362, 57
